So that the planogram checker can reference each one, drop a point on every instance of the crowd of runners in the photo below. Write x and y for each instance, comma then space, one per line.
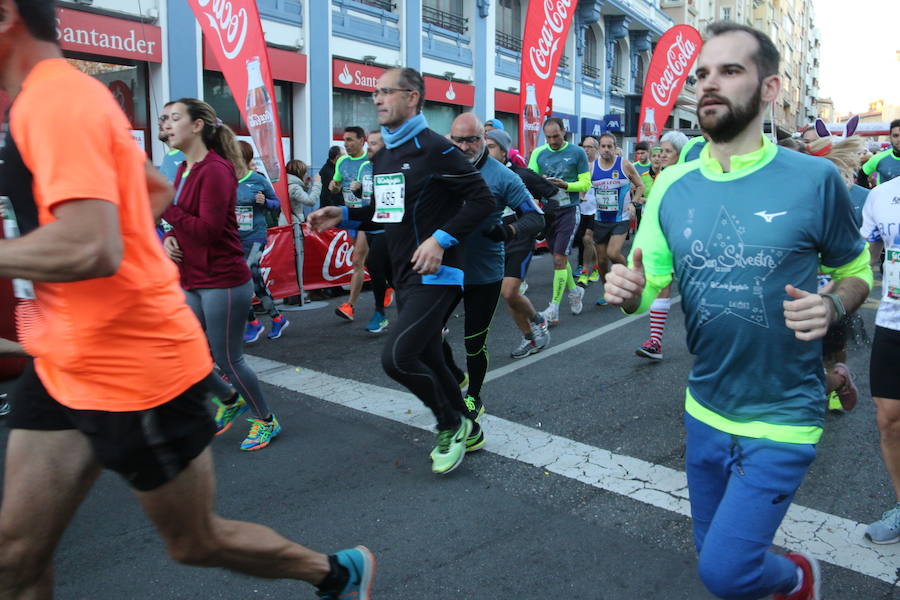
765, 245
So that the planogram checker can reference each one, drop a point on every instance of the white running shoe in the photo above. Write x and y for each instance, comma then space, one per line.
575, 297
541, 334
551, 314
523, 287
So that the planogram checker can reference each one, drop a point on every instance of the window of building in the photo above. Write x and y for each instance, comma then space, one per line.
589, 66
446, 14
509, 24
639, 82
352, 108
726, 13
618, 81
387, 5
218, 95
440, 116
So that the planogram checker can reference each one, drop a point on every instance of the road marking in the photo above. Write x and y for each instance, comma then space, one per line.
556, 349
827, 537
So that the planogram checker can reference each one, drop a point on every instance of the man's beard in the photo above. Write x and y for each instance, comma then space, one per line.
734, 121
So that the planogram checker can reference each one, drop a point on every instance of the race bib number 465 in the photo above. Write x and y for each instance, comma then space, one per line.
390, 195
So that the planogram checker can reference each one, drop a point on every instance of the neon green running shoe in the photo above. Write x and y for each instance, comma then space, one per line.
451, 448
474, 406
464, 382
582, 279
261, 433
595, 276
834, 402
227, 413
475, 441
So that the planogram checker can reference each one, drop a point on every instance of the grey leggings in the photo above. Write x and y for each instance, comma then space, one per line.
223, 315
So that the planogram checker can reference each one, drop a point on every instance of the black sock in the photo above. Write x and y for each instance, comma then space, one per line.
337, 577
537, 318
529, 336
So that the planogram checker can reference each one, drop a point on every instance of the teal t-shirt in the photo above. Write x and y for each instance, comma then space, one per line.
734, 241
567, 164
171, 161
349, 169
885, 164
251, 216
858, 195
692, 149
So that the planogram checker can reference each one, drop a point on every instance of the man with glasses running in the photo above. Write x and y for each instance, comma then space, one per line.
428, 197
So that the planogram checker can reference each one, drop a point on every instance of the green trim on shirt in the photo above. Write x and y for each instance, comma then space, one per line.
788, 434
682, 156
872, 164
741, 164
245, 177
173, 152
858, 267
337, 165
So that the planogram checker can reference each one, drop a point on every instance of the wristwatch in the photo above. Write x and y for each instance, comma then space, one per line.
839, 311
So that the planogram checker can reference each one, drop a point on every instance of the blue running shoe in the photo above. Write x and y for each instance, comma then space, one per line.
278, 326
360, 564
601, 301
378, 323
253, 331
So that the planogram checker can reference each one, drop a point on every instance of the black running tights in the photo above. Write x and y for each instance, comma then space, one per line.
480, 303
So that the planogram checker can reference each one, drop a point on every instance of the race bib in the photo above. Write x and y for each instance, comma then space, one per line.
22, 288
244, 218
353, 202
891, 279
607, 200
390, 195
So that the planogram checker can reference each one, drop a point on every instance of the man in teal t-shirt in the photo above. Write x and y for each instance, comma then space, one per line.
566, 167
746, 238
886, 165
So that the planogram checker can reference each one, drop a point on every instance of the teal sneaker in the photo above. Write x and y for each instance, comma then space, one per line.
887, 530
451, 447
475, 407
261, 433
360, 565
227, 413
378, 323
475, 441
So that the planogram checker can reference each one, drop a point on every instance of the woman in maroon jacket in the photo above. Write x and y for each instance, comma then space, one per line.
204, 242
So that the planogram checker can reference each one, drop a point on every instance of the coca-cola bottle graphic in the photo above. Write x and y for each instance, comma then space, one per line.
531, 121
648, 129
260, 120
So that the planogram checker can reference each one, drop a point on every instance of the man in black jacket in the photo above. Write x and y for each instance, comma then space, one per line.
427, 197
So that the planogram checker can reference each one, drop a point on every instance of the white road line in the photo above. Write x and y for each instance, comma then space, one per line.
827, 537
556, 349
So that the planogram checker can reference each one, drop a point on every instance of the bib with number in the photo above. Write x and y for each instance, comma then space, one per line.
892, 273
607, 200
22, 288
244, 218
390, 196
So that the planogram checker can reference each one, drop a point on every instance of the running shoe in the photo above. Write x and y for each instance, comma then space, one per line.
812, 578
650, 349
278, 326
594, 276
261, 433
4, 408
378, 323
834, 403
227, 413
582, 279
523, 287
345, 311
360, 565
464, 382
525, 348
388, 297
886, 530
475, 441
253, 331
475, 407
540, 333
551, 315
450, 448
575, 300
847, 393
601, 301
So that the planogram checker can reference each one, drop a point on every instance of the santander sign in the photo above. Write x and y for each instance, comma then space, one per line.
679, 57
542, 52
229, 26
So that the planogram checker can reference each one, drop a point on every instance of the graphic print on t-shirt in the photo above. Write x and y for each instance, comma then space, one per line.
746, 266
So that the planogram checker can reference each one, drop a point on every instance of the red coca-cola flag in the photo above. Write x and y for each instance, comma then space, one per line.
670, 66
235, 35
278, 263
546, 27
327, 258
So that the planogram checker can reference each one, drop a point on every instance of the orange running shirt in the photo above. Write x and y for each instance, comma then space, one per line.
121, 343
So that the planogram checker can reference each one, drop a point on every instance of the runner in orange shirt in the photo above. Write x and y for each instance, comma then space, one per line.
116, 382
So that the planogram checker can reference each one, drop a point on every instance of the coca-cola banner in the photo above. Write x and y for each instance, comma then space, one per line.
234, 33
546, 27
670, 66
327, 258
278, 263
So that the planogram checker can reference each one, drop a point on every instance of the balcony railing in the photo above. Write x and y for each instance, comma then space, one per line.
564, 62
444, 20
382, 4
617, 81
510, 42
591, 71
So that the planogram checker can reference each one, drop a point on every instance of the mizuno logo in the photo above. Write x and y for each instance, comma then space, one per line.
405, 166
769, 216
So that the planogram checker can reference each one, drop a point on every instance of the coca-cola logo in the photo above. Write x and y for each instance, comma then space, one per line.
339, 257
556, 18
257, 120
229, 27
679, 56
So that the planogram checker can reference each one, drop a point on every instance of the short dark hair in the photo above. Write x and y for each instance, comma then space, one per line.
610, 136
410, 79
894, 123
334, 152
766, 57
39, 17
356, 130
642, 146
555, 120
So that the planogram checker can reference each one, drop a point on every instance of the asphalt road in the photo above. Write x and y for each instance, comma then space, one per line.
509, 523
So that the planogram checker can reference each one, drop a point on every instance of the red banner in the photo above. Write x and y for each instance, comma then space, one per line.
278, 263
233, 30
670, 66
546, 28
327, 258
81, 31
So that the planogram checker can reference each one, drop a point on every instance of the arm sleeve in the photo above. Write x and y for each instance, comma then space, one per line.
583, 184
858, 267
207, 226
872, 164
657, 256
839, 241
462, 180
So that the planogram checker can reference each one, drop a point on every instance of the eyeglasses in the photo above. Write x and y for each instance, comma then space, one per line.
387, 91
471, 139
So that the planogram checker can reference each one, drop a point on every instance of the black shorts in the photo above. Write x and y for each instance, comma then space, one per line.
148, 447
884, 376
518, 257
586, 224
604, 231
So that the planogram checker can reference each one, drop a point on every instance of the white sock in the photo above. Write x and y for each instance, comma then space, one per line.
799, 582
